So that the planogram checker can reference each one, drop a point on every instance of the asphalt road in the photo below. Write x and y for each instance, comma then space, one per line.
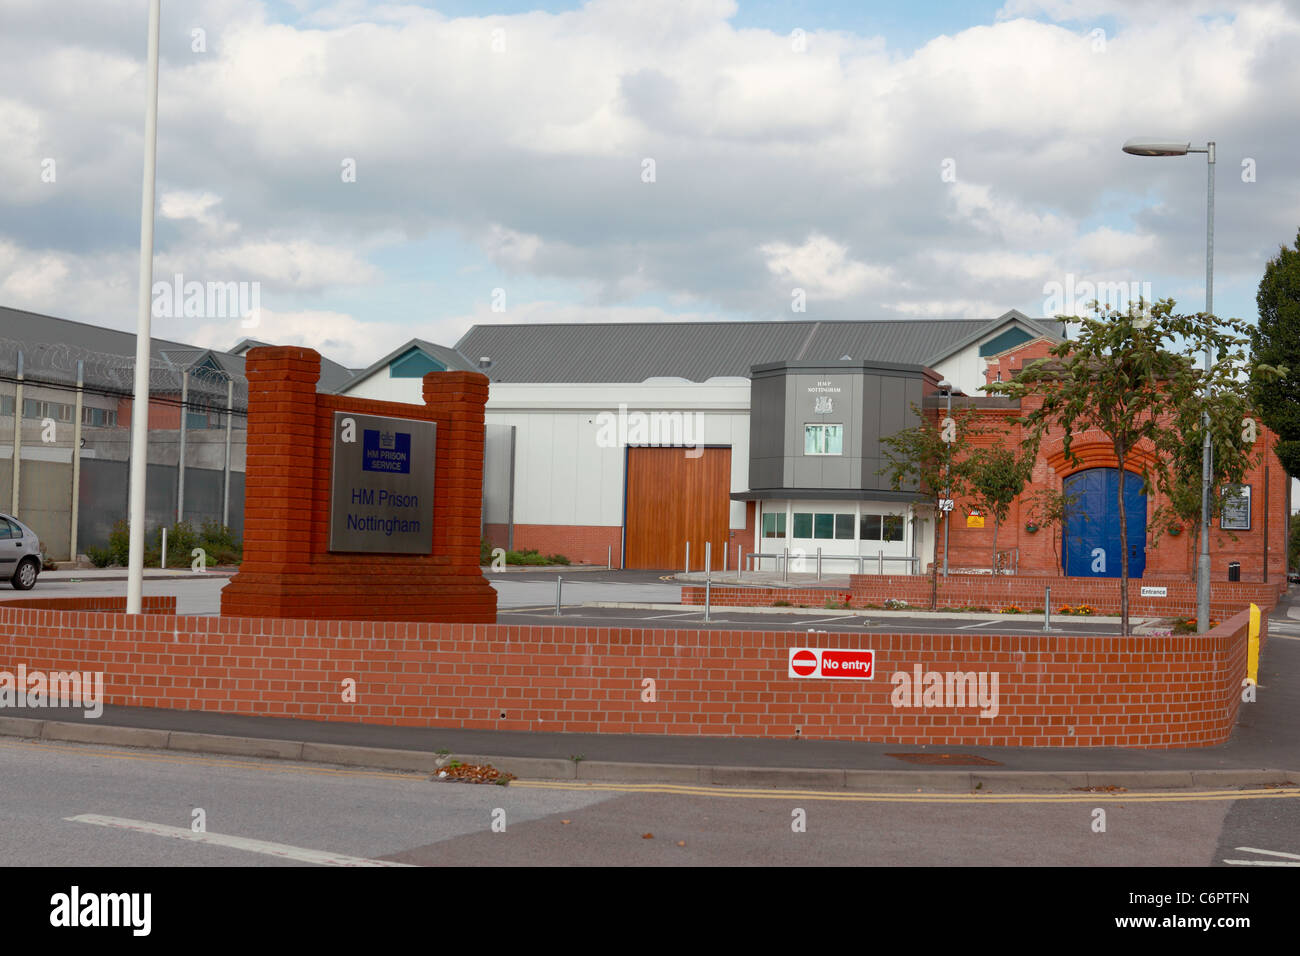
68, 804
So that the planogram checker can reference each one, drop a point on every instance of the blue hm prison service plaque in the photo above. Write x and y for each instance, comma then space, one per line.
381, 486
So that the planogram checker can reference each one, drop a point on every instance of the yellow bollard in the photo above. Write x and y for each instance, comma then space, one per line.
1252, 654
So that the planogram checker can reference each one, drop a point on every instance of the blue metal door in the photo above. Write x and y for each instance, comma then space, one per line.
1092, 537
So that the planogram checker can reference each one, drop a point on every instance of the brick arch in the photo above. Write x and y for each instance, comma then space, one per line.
1092, 453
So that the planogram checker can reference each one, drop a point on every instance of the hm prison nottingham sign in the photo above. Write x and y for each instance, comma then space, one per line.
381, 484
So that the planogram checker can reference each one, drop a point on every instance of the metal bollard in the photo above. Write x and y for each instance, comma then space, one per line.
819, 565
881, 569
688, 557
609, 557
1047, 611
725, 550
558, 579
785, 566
708, 560
162, 559
708, 598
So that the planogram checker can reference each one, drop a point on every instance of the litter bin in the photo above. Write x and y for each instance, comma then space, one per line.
1234, 570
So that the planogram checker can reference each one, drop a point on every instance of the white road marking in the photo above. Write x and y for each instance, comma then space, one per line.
660, 617
1289, 859
1251, 849
283, 850
967, 627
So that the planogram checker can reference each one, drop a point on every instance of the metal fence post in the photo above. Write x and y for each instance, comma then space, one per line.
180, 458
708, 598
162, 555
230, 420
881, 569
558, 579
785, 566
708, 559
609, 557
1047, 610
819, 565
76, 461
688, 557
18, 435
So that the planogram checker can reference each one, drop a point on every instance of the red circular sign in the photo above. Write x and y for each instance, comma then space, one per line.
804, 663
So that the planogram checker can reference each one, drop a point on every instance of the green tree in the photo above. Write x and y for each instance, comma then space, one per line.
1276, 344
994, 479
1293, 545
1049, 508
919, 459
1120, 377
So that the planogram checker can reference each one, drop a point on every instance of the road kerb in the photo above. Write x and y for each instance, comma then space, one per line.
550, 768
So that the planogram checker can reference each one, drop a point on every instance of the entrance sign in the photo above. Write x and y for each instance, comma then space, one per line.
1149, 591
381, 484
831, 664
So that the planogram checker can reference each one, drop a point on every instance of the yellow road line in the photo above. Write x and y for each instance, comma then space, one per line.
873, 797
275, 765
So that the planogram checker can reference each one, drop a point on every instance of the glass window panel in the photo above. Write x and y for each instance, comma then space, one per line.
774, 526
825, 526
834, 439
803, 525
893, 527
869, 528
844, 526
812, 440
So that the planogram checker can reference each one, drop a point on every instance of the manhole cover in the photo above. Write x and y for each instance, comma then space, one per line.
947, 759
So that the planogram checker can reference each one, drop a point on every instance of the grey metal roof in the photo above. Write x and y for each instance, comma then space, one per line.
56, 344
633, 352
448, 357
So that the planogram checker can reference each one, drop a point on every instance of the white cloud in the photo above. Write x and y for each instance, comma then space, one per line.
822, 267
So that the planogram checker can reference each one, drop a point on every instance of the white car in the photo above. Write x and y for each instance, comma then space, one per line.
20, 553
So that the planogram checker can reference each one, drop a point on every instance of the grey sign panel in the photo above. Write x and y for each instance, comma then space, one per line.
381, 485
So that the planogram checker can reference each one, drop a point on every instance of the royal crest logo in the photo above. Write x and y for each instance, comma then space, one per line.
823, 405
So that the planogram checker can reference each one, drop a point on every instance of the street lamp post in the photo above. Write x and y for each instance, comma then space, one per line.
1139, 147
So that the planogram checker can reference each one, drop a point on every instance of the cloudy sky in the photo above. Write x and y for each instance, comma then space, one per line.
389, 170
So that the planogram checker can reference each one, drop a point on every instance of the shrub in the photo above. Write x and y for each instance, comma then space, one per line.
99, 557
895, 604
780, 604
1085, 609
1013, 609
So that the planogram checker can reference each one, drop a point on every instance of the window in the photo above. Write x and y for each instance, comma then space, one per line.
9, 530
892, 527
99, 417
774, 526
869, 528
34, 408
824, 526
823, 439
844, 527
803, 525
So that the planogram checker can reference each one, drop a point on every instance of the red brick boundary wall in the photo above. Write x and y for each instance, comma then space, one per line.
288, 570
1058, 691
158, 604
1024, 591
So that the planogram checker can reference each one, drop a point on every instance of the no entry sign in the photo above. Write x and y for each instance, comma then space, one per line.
831, 665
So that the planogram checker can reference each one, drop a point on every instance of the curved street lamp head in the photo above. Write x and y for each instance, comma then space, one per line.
1146, 147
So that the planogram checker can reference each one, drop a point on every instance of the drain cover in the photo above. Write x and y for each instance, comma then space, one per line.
947, 759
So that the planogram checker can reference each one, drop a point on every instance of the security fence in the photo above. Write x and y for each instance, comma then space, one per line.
65, 417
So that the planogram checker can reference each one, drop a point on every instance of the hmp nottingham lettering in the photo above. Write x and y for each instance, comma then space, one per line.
103, 909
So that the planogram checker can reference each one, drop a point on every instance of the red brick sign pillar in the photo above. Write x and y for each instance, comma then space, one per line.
288, 570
